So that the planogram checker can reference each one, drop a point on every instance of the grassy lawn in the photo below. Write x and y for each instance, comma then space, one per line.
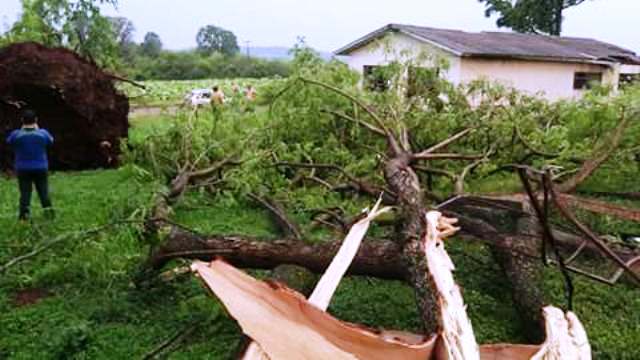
86, 306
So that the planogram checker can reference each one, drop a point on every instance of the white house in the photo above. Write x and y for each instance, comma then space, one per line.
556, 67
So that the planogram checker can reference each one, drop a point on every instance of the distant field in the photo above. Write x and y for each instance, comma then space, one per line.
171, 92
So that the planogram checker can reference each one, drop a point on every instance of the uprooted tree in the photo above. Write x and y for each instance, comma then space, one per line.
75, 99
418, 153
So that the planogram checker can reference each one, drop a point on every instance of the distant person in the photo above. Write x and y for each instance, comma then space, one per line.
30, 145
250, 93
235, 89
217, 98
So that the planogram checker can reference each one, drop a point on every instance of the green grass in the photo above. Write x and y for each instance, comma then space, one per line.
95, 312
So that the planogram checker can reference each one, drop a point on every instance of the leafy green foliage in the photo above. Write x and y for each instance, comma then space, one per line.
94, 311
76, 24
190, 65
212, 39
530, 16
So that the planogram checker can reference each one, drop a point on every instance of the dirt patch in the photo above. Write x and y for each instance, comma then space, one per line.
28, 297
137, 112
75, 100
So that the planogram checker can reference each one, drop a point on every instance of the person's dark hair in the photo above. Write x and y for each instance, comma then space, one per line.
29, 117
215, 88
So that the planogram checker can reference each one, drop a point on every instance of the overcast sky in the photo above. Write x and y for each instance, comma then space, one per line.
330, 24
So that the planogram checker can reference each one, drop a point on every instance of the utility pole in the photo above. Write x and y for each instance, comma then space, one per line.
247, 43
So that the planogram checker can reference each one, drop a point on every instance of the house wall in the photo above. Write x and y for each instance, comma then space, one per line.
397, 46
554, 80
630, 69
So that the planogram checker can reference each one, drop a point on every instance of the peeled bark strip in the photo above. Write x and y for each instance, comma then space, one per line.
323, 293
288, 327
566, 337
456, 334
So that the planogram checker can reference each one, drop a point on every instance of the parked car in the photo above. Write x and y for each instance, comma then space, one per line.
198, 97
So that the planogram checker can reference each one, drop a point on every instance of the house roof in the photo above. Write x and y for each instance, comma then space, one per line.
506, 45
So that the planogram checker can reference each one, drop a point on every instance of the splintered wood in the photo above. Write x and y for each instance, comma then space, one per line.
285, 326
458, 340
566, 337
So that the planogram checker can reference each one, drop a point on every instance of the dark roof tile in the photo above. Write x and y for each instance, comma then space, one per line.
507, 44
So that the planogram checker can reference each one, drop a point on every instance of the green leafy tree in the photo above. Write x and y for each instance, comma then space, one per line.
212, 39
152, 45
76, 24
530, 16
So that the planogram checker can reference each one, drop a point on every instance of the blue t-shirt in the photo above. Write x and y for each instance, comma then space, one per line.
30, 148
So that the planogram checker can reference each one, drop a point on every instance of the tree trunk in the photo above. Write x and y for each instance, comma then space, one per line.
557, 18
525, 276
405, 183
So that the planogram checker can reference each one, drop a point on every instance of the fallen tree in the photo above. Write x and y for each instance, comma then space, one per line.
509, 224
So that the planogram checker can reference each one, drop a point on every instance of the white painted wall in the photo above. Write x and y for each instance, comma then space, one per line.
553, 80
630, 69
397, 46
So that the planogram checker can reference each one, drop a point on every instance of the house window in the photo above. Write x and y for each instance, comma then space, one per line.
629, 79
586, 80
422, 81
376, 78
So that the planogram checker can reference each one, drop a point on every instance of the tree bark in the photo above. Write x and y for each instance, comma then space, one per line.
377, 258
405, 183
525, 276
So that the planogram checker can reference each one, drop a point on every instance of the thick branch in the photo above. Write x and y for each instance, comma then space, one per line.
380, 259
601, 207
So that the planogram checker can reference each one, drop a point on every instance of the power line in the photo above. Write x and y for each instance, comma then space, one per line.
248, 48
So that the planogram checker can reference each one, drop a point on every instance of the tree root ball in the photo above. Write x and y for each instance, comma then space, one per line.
74, 99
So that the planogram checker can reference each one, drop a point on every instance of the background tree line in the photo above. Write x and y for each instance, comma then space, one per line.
80, 25
109, 41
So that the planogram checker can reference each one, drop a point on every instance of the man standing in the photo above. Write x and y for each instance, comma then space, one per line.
218, 96
30, 145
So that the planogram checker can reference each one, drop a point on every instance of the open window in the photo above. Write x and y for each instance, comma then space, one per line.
629, 79
376, 78
586, 80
